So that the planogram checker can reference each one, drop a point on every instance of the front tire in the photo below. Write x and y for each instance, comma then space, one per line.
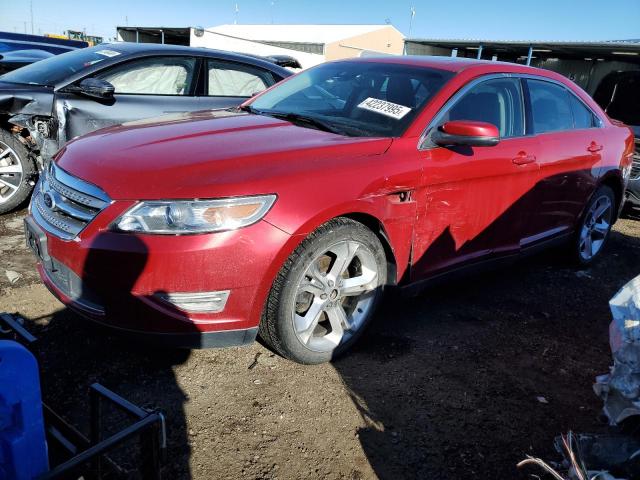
17, 172
594, 228
326, 293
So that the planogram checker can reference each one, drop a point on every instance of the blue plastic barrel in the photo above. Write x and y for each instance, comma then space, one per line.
23, 448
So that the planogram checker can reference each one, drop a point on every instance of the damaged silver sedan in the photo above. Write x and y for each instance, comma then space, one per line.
46, 104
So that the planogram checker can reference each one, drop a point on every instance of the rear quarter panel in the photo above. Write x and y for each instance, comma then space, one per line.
617, 156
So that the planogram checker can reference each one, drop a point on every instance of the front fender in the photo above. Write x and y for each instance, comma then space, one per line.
395, 214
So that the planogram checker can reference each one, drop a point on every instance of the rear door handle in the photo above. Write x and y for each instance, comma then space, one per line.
594, 147
523, 159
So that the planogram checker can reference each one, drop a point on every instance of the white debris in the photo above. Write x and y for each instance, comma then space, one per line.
620, 389
12, 276
542, 400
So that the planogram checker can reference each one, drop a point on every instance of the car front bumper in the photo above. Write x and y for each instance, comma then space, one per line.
121, 280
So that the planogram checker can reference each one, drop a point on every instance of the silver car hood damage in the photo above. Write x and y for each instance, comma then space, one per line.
33, 108
25, 99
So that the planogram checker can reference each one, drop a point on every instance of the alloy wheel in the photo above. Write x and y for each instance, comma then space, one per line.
11, 172
596, 226
335, 295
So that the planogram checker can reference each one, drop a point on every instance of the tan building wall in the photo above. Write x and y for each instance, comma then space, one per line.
385, 40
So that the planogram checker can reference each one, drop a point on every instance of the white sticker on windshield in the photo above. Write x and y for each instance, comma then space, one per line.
108, 53
383, 107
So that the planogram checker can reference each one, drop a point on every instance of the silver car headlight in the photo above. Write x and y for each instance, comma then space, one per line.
179, 217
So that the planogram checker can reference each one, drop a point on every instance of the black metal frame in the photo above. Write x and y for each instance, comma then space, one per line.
88, 456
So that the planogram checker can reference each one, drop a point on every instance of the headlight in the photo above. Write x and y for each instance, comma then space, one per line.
176, 217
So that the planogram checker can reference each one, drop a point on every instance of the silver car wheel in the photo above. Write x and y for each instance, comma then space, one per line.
335, 295
11, 172
596, 226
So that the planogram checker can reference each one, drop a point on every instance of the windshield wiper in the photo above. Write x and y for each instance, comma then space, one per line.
294, 118
305, 120
245, 108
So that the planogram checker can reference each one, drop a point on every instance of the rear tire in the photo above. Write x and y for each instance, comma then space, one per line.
594, 228
326, 293
17, 172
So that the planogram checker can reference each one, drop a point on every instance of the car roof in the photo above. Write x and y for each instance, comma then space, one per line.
132, 47
453, 64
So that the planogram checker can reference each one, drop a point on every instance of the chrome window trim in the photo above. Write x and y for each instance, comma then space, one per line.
492, 76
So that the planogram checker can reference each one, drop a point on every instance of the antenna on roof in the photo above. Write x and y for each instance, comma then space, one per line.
235, 21
412, 11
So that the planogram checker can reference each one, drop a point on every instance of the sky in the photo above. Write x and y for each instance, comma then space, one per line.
563, 20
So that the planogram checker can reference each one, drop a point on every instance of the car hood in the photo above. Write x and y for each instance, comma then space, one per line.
206, 154
18, 98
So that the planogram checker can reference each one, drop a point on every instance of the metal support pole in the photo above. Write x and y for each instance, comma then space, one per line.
479, 52
95, 434
150, 450
529, 55
162, 33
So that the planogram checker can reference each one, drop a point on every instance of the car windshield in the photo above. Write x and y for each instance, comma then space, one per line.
53, 70
364, 99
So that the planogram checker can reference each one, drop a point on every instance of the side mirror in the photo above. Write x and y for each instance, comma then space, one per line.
466, 132
96, 88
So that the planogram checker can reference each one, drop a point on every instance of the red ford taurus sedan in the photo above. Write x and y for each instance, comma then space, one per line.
289, 216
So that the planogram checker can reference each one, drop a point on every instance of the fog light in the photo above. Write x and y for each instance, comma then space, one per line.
209, 302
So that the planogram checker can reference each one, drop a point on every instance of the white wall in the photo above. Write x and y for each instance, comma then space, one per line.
234, 44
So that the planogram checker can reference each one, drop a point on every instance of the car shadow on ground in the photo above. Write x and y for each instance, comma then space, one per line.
447, 383
77, 352
463, 380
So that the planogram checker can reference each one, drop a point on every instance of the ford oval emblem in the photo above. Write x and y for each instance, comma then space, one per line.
48, 200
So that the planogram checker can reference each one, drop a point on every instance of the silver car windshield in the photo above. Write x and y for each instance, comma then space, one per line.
51, 71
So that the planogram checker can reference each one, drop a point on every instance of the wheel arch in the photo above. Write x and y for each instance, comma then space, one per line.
377, 227
613, 180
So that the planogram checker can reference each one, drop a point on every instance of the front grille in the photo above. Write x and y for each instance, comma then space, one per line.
63, 204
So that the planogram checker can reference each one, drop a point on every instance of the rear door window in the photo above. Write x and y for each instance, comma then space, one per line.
550, 107
153, 76
227, 79
582, 116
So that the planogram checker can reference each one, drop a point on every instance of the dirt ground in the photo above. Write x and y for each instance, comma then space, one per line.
444, 385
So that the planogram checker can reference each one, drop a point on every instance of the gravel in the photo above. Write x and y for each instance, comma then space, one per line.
445, 385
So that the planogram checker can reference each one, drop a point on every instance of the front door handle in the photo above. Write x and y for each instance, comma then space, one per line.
523, 159
594, 147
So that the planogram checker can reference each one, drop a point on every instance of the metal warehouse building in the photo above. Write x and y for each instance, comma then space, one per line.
331, 41
586, 63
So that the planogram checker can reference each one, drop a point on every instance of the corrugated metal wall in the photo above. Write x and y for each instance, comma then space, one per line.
586, 73
317, 48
